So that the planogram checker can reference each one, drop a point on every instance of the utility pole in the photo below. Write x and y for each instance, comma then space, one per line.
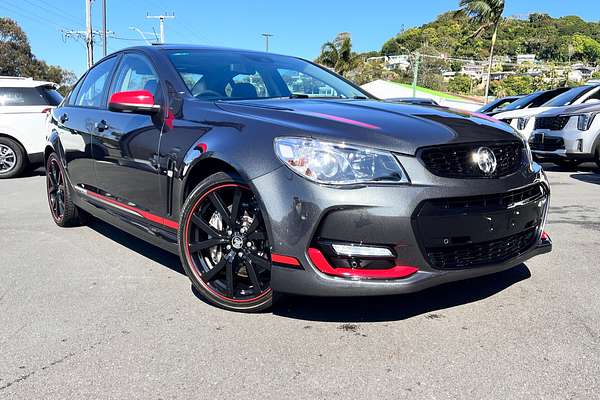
89, 37
267, 36
104, 39
416, 73
161, 18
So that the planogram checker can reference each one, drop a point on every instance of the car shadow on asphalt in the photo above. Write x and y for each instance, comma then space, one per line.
140, 246
346, 309
588, 178
399, 307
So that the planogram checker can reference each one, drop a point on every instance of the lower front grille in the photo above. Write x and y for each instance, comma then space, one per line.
541, 142
477, 254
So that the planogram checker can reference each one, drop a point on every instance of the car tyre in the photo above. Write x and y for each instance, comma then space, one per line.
224, 246
13, 159
597, 156
62, 209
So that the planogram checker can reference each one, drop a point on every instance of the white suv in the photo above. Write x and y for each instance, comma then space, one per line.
24, 105
568, 136
524, 120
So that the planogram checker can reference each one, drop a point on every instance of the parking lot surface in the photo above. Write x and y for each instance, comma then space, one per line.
94, 313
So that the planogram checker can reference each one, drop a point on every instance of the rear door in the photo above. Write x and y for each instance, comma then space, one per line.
126, 155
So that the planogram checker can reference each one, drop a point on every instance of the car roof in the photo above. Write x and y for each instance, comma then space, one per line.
14, 81
161, 47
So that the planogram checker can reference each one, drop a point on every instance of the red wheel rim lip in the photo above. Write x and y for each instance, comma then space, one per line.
189, 258
50, 162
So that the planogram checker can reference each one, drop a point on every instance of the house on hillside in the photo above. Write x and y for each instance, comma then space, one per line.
472, 70
393, 63
580, 72
525, 58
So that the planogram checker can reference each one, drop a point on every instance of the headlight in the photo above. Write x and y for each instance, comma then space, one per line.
522, 123
584, 121
337, 163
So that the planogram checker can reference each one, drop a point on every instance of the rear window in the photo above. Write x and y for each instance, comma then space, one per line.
10, 96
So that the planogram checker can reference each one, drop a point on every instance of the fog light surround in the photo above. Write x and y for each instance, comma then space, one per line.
352, 250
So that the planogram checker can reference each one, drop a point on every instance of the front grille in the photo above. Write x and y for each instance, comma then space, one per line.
476, 254
488, 203
456, 161
551, 123
541, 142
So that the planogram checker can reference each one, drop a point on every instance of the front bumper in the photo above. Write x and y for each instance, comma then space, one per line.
567, 144
299, 213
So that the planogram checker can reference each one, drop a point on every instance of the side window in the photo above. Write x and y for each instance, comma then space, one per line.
301, 83
72, 99
95, 84
135, 73
13, 96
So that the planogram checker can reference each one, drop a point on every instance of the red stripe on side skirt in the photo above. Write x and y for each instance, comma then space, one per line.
144, 214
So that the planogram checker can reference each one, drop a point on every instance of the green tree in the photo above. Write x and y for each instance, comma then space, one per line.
460, 84
585, 48
338, 54
513, 85
487, 14
17, 59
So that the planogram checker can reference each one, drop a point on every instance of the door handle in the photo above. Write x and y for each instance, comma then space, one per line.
64, 118
101, 126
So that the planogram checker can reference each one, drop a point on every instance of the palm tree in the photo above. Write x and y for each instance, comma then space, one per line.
488, 14
338, 54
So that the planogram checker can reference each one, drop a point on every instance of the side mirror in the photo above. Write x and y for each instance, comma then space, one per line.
134, 101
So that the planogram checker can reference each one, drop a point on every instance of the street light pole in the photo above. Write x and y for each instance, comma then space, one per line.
104, 39
161, 18
89, 38
267, 36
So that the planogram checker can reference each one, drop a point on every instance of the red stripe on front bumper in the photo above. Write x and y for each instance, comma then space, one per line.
319, 261
287, 260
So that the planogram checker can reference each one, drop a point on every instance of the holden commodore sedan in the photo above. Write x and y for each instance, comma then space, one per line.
269, 174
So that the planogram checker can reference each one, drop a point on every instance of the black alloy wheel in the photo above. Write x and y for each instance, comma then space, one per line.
63, 211
224, 244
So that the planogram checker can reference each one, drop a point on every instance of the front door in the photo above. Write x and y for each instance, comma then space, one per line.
126, 151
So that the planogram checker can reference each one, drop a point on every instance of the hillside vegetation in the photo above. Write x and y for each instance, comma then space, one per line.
550, 39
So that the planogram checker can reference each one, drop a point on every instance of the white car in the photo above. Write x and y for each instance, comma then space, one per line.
24, 106
567, 136
523, 120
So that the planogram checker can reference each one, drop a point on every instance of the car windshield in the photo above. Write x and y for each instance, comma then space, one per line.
568, 97
229, 75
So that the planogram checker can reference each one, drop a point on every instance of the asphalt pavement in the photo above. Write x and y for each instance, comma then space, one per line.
94, 313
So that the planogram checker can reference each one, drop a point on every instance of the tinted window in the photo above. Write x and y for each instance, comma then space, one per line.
71, 100
22, 97
223, 75
53, 98
135, 73
95, 84
569, 96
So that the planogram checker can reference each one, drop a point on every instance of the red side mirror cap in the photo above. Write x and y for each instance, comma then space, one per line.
133, 101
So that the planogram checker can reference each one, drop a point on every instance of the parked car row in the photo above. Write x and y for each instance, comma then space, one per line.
559, 124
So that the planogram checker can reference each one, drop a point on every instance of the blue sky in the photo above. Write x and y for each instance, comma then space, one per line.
300, 27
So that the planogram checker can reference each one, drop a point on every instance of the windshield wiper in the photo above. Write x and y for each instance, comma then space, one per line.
298, 96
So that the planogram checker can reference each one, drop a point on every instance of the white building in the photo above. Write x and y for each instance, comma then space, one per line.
525, 58
391, 63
